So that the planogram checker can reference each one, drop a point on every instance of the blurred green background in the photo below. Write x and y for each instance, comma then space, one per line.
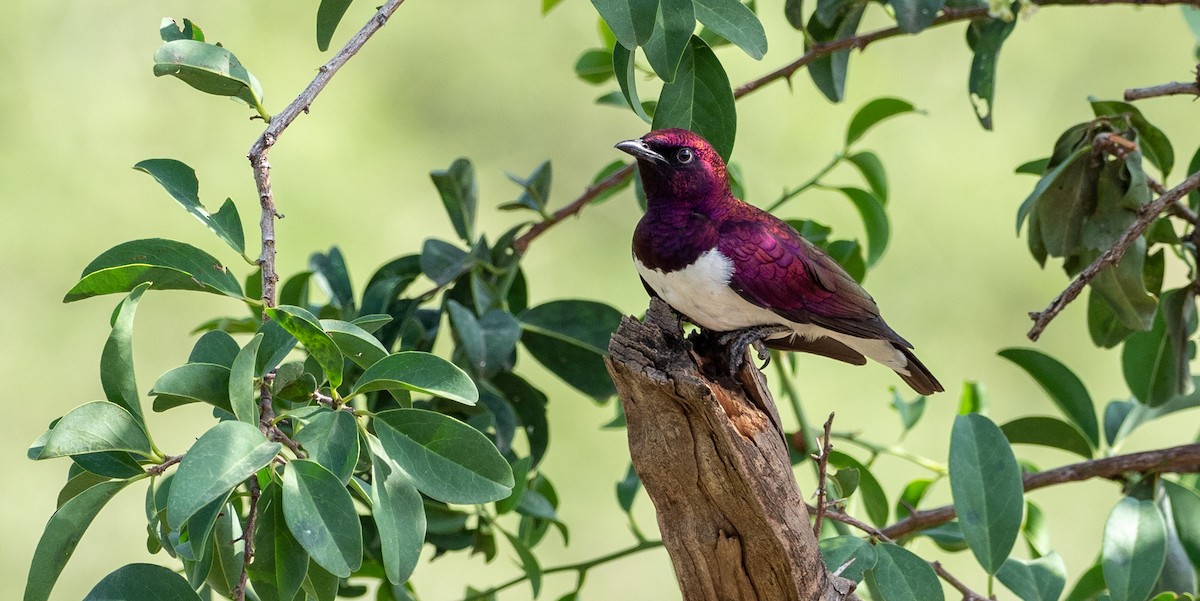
493, 81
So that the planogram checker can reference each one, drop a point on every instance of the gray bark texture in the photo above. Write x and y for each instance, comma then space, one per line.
711, 456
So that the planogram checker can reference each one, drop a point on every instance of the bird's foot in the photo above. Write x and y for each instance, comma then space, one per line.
739, 341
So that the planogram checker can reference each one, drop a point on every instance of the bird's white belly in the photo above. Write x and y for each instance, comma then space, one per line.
701, 292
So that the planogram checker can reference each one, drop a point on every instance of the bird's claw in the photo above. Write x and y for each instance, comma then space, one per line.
739, 341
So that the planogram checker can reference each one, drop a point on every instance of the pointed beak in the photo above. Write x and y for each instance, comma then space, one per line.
640, 150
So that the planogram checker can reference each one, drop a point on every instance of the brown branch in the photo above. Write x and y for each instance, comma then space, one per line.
239, 592
1181, 459
967, 593
168, 461
822, 468
853, 522
617, 178
1111, 256
1166, 89
258, 152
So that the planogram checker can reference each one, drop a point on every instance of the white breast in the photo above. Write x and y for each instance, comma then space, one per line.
701, 291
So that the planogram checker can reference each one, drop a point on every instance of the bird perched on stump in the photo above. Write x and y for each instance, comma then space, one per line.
737, 270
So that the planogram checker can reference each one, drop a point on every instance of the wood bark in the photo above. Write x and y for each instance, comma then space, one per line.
711, 455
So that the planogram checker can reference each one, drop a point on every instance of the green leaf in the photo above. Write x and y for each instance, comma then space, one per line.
594, 66
94, 427
520, 469
1089, 586
442, 262
874, 220
115, 464
876, 111
1133, 549
985, 38
873, 173
914, 15
216, 347
1063, 386
319, 584
1047, 432
241, 382
191, 383
529, 563
168, 264
320, 514
62, 534
221, 458
180, 182
142, 582
910, 411
397, 508
276, 345
986, 485
848, 254
116, 362
329, 14
829, 72
972, 399
1153, 143
735, 22
227, 554
874, 499
1068, 170
632, 21
899, 575
331, 439
460, 196
331, 275
355, 343
446, 459
210, 69
1035, 580
623, 67
1036, 531
627, 489
666, 48
419, 372
700, 99
1155, 363
1104, 326
850, 554
570, 338
1034, 167
1185, 509
307, 329
169, 30
535, 194
280, 563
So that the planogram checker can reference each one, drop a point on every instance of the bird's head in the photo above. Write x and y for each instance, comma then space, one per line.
678, 165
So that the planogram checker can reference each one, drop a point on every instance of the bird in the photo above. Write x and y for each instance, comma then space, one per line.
738, 271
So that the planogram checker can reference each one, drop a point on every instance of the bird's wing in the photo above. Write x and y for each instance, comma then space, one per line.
775, 268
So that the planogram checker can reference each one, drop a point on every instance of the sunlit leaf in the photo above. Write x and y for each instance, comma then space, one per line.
168, 264
180, 182
987, 489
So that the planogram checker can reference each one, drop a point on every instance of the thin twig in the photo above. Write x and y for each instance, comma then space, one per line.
168, 461
1111, 256
822, 467
617, 178
581, 567
1184, 459
854, 522
239, 592
967, 593
1166, 89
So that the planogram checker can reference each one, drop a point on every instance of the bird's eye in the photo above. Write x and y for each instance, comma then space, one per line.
685, 155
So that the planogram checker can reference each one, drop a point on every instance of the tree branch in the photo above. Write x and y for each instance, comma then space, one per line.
266, 259
616, 179
1146, 216
967, 593
822, 458
1180, 459
1166, 89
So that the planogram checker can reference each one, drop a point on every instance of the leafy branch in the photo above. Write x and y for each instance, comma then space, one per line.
581, 568
1179, 459
1146, 216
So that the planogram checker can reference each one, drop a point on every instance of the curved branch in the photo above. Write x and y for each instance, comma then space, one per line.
1180, 459
1146, 216
1166, 89
616, 179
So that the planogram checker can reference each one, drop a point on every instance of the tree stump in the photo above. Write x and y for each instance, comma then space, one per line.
710, 454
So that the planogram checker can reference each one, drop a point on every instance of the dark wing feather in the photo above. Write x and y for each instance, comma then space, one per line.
776, 268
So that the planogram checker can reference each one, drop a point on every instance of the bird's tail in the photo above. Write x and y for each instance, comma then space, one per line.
919, 377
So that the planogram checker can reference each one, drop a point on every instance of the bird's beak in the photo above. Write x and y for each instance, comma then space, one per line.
640, 150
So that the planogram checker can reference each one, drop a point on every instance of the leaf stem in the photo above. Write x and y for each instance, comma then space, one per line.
894, 450
814, 181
